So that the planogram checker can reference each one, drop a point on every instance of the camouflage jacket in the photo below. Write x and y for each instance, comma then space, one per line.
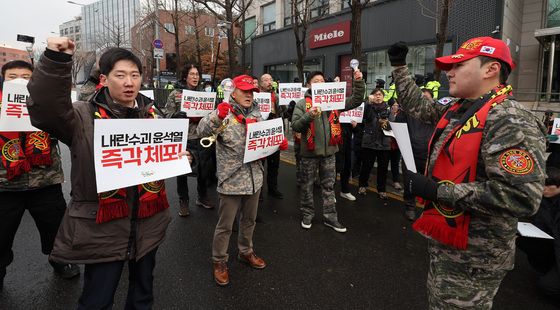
301, 120
234, 177
38, 176
500, 194
173, 105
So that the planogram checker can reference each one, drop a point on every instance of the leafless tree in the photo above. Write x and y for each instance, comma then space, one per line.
301, 20
356, 7
441, 16
230, 11
178, 10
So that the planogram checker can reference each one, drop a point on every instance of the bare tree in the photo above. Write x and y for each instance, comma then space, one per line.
80, 59
356, 7
231, 12
244, 38
177, 9
111, 35
441, 17
301, 20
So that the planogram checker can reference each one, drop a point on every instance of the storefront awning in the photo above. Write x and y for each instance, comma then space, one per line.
545, 35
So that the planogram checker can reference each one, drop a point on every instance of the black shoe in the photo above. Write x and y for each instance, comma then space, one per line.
204, 202
334, 224
66, 271
275, 193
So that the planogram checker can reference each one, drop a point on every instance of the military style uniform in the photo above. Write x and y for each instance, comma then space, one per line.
239, 184
509, 183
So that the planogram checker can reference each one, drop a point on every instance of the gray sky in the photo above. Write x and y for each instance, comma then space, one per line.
36, 18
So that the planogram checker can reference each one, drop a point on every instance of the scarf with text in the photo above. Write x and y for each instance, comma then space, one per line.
113, 205
21, 151
336, 130
456, 163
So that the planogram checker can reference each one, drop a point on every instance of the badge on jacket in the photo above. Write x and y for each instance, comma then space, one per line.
445, 100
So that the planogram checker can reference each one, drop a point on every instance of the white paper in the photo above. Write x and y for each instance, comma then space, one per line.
530, 230
140, 157
148, 93
356, 115
197, 103
263, 138
556, 129
14, 115
400, 132
74, 96
329, 96
264, 100
389, 133
289, 92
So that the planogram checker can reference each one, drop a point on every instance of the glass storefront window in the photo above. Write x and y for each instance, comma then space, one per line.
287, 72
553, 14
420, 60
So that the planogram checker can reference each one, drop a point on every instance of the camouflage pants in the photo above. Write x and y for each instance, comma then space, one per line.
327, 176
453, 285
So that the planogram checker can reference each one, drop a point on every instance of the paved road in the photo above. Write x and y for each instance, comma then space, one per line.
380, 263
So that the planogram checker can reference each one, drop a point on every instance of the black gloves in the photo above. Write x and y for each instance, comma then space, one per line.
179, 114
422, 186
397, 54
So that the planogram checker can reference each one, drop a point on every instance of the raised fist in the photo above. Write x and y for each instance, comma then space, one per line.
397, 54
223, 109
61, 44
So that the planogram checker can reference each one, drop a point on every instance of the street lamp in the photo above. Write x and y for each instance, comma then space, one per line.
223, 26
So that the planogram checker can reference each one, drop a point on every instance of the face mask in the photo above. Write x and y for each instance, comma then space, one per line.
208, 89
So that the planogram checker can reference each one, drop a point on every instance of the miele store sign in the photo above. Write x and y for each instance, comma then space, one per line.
330, 35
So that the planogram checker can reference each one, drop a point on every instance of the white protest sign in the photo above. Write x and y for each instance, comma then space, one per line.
556, 129
356, 115
148, 93
289, 92
329, 96
135, 151
532, 231
74, 96
264, 100
263, 139
400, 131
14, 115
197, 103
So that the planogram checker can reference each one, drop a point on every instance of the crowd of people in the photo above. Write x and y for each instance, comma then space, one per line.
480, 160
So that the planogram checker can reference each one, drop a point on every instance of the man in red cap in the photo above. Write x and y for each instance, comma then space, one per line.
239, 184
485, 169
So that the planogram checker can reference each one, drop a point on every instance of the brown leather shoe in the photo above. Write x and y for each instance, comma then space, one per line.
184, 208
221, 275
252, 259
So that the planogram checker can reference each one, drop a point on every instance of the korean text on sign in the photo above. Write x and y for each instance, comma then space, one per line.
289, 92
264, 100
356, 115
263, 139
133, 151
14, 115
197, 103
329, 96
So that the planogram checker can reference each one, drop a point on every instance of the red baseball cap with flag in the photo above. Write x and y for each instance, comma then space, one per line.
481, 46
244, 82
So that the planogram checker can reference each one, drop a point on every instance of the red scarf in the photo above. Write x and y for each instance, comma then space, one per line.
336, 130
112, 204
456, 163
22, 151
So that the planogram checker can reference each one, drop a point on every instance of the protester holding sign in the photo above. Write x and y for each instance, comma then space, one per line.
239, 184
272, 161
320, 136
106, 230
485, 169
30, 179
191, 77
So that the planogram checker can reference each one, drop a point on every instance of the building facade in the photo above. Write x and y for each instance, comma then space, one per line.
198, 43
72, 29
8, 53
107, 23
527, 26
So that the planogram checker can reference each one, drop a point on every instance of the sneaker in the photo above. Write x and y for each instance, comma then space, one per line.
362, 191
184, 208
348, 196
383, 195
335, 225
397, 186
306, 223
66, 271
204, 202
